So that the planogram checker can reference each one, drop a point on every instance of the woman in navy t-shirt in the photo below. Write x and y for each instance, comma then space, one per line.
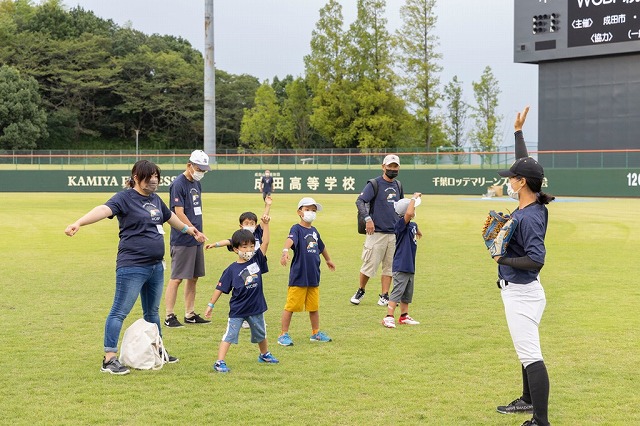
139, 267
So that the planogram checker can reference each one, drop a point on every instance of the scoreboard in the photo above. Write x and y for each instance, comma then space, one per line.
548, 30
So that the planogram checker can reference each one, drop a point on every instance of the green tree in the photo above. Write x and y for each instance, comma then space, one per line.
379, 112
326, 64
22, 120
234, 94
417, 43
487, 120
294, 127
280, 88
455, 114
162, 94
259, 127
369, 49
325, 67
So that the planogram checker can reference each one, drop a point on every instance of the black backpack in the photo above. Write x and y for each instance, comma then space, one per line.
361, 221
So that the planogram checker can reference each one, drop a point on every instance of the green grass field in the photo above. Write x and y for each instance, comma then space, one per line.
453, 369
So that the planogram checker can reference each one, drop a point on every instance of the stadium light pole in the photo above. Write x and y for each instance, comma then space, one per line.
209, 83
137, 132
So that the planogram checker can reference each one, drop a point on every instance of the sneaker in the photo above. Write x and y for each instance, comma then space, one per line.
389, 322
172, 321
220, 366
320, 337
268, 358
357, 297
113, 366
407, 320
531, 422
285, 340
245, 324
195, 319
170, 359
384, 299
516, 406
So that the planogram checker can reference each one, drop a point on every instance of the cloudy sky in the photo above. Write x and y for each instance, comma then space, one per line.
268, 38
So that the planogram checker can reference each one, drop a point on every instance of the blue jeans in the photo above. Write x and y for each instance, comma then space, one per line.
131, 281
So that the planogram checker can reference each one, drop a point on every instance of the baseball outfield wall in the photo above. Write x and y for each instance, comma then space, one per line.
621, 182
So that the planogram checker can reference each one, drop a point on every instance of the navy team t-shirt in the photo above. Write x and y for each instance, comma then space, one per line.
305, 266
257, 234
188, 195
244, 281
267, 184
141, 235
527, 240
404, 259
384, 215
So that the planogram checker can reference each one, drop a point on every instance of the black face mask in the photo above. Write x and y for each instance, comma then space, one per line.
391, 174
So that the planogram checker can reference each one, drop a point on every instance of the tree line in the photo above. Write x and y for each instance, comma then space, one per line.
72, 80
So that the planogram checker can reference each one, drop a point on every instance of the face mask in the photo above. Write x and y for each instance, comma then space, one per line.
513, 194
197, 175
246, 255
150, 186
249, 228
391, 174
309, 216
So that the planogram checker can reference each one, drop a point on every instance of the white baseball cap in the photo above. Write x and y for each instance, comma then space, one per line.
391, 158
308, 201
401, 206
200, 159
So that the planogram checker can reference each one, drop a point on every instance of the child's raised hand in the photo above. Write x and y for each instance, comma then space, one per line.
265, 219
268, 200
417, 194
209, 246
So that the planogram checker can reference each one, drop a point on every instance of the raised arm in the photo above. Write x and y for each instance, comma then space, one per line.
520, 147
267, 205
411, 208
264, 244
94, 215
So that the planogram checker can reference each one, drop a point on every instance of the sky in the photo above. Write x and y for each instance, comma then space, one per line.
267, 38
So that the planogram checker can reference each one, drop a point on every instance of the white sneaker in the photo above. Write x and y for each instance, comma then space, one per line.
408, 320
245, 324
384, 300
389, 322
357, 297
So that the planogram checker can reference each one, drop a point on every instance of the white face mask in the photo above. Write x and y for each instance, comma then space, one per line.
246, 255
513, 194
197, 175
251, 229
309, 216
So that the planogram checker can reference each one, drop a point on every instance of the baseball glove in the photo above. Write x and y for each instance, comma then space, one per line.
497, 232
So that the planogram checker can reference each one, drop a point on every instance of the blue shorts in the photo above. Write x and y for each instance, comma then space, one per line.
256, 324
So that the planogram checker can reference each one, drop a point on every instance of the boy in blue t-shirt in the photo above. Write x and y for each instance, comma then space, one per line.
404, 261
248, 221
243, 279
304, 275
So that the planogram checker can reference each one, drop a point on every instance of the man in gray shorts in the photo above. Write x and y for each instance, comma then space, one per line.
380, 243
187, 255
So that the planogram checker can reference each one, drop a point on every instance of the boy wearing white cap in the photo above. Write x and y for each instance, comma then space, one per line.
404, 261
187, 254
304, 276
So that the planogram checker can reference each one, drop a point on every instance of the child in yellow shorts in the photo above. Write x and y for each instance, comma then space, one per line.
304, 276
